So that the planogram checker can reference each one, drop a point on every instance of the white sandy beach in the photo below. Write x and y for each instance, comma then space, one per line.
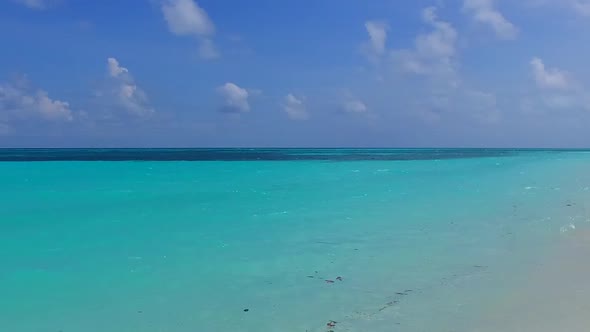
555, 296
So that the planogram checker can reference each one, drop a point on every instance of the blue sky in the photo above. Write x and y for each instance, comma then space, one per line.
158, 73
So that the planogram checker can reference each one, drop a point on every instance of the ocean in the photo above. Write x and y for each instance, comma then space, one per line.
302, 240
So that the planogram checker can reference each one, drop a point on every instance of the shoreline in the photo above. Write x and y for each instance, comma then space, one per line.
553, 295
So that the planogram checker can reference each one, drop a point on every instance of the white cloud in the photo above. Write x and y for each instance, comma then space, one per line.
18, 102
440, 42
483, 11
375, 46
52, 109
581, 7
442, 94
125, 92
433, 52
560, 101
295, 107
235, 98
558, 90
552, 78
460, 102
207, 50
34, 4
115, 70
187, 18
24, 102
354, 106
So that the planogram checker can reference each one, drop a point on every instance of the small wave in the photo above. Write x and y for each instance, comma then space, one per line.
567, 228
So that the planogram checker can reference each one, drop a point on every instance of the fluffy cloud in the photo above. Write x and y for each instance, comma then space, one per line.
442, 94
24, 102
433, 52
18, 102
187, 18
581, 7
34, 4
295, 107
354, 106
483, 11
207, 50
235, 98
552, 78
557, 90
570, 101
375, 46
125, 92
461, 102
115, 70
440, 42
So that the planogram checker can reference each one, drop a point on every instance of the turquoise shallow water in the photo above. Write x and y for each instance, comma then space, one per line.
421, 240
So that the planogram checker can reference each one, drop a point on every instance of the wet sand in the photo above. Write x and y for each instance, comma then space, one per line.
553, 296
